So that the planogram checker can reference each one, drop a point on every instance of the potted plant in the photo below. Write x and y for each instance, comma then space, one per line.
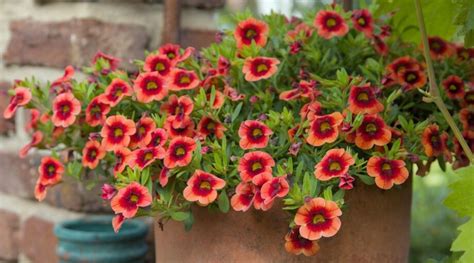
304, 124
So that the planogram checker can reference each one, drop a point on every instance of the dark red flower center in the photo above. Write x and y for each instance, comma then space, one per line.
50, 169
435, 140
92, 153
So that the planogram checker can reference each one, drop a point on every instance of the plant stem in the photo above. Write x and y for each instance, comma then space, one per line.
434, 91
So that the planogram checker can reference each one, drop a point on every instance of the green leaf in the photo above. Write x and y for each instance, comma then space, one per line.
188, 222
461, 198
180, 216
236, 112
223, 202
464, 242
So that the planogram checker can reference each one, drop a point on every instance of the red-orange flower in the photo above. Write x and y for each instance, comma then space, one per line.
159, 63
116, 132
117, 222
21, 98
402, 64
335, 163
208, 126
304, 89
254, 135
150, 86
362, 20
362, 100
412, 79
63, 83
330, 24
35, 140
113, 61
255, 164
40, 190
372, 131
181, 79
115, 92
179, 152
435, 142
318, 218
310, 110
469, 98
51, 171
163, 176
175, 128
130, 198
142, 136
379, 45
439, 48
296, 244
65, 109
92, 154
219, 100
96, 112
466, 116
179, 107
454, 87
387, 172
464, 53
259, 202
143, 157
33, 121
276, 187
202, 187
324, 129
251, 30
158, 138
172, 51
122, 159
259, 68
244, 196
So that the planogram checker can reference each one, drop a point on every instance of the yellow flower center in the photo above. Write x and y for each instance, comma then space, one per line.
363, 96
205, 185
361, 21
250, 33
93, 153
371, 127
257, 132
325, 126
256, 166
331, 22
51, 168
180, 151
148, 156
66, 108
118, 132
141, 130
171, 55
159, 66
411, 77
151, 85
261, 68
185, 80
318, 219
453, 87
133, 198
334, 166
386, 167
211, 126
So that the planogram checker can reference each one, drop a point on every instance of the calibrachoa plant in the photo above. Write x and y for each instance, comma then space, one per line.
288, 113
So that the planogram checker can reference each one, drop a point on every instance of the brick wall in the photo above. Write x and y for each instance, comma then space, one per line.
40, 37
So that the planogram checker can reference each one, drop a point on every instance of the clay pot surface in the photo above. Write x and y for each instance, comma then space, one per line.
375, 228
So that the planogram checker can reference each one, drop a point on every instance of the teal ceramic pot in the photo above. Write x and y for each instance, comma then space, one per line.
93, 240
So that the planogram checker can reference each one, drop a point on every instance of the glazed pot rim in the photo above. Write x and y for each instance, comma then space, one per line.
74, 230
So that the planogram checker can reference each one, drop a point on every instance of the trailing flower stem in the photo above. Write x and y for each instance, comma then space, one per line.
434, 91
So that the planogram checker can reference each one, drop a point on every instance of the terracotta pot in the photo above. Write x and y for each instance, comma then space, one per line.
375, 228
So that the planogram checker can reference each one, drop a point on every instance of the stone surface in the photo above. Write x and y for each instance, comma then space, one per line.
58, 44
197, 38
375, 228
38, 241
204, 4
6, 126
9, 227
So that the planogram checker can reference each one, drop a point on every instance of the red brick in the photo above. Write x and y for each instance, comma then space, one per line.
9, 230
58, 44
5, 125
38, 241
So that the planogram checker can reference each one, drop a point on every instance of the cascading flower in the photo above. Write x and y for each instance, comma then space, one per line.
387, 172
466, 116
412, 79
116, 132
259, 202
108, 191
454, 87
435, 142
40, 190
372, 131
115, 92
172, 51
96, 112
51, 171
63, 84
178, 107
362, 20
362, 100
310, 110
208, 126
143, 157
185, 127
379, 45
202, 187
179, 152
142, 136
251, 30
92, 153
150, 86
318, 218
36, 139
276, 187
244, 196
259, 68
439, 48
180, 79
113, 62
65, 109
304, 89
254, 135
163, 176
122, 159
130, 198
324, 129
296, 244
335, 163
223, 66
32, 123
255, 164
117, 222
21, 97
330, 24
158, 138
159, 63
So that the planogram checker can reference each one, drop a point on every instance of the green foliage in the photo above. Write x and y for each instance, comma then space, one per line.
461, 200
465, 20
